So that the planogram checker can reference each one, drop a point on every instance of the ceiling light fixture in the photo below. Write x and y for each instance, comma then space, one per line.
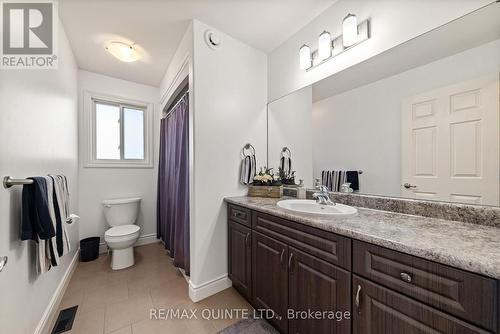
123, 51
350, 30
324, 45
305, 57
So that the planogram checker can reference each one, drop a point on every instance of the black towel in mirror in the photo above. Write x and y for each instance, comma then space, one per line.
352, 176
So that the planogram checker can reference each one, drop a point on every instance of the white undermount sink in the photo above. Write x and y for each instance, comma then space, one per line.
311, 207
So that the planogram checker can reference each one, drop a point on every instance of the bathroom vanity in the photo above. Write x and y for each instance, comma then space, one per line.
393, 273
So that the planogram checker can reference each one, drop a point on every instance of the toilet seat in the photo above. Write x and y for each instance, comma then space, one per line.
121, 231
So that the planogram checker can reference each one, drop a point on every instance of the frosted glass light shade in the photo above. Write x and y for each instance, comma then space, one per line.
350, 30
123, 51
305, 57
324, 45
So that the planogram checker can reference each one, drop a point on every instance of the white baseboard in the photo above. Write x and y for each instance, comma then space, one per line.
144, 239
202, 291
50, 313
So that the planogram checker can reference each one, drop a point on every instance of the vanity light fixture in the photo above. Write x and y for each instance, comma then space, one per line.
123, 51
330, 47
324, 45
305, 57
350, 30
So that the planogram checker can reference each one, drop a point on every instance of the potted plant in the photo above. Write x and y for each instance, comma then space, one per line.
287, 177
266, 184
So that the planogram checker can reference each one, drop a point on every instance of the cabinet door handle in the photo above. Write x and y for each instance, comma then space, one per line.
282, 254
290, 261
357, 300
3, 262
409, 186
246, 238
405, 277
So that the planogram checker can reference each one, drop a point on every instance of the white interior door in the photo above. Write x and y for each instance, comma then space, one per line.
450, 143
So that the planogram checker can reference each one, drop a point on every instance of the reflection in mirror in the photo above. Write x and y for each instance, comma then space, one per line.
429, 131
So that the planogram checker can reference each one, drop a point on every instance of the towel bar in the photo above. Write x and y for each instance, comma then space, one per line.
248, 147
8, 182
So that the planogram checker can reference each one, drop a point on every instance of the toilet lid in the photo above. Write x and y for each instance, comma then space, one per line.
119, 231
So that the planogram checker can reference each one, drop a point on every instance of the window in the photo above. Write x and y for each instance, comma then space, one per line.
119, 133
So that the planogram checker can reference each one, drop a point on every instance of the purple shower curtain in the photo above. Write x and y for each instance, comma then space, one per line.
173, 184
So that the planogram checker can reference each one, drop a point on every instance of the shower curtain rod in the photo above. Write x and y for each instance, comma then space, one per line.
175, 105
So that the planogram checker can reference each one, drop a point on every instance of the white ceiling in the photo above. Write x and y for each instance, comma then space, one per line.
157, 27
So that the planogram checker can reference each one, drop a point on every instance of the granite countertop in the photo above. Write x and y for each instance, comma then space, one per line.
471, 247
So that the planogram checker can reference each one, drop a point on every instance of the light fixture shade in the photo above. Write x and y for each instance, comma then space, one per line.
305, 57
324, 45
123, 51
350, 30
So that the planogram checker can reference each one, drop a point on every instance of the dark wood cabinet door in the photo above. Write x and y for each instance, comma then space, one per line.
240, 258
316, 285
270, 278
377, 310
464, 295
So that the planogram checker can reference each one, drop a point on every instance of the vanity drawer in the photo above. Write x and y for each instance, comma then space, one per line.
466, 295
239, 214
324, 245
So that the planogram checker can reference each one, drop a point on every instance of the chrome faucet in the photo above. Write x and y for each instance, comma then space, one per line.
322, 196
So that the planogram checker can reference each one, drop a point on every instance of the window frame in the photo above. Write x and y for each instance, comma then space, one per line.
91, 161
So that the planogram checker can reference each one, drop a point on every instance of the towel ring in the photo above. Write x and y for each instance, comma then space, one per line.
285, 150
248, 147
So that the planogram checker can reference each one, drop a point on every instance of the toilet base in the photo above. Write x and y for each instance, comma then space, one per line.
122, 258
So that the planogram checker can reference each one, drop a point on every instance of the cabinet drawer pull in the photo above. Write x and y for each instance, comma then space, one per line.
282, 254
246, 238
358, 292
290, 261
405, 277
238, 214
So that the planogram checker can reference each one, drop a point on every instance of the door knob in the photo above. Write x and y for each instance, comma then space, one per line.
409, 186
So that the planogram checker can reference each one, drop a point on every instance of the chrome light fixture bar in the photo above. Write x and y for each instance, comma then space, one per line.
337, 45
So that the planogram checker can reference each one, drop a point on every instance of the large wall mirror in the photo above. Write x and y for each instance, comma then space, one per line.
419, 121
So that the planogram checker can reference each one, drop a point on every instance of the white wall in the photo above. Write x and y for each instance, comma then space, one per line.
290, 125
360, 129
230, 94
38, 135
392, 23
97, 184
179, 68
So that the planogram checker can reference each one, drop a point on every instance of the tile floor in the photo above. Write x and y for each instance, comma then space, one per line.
119, 302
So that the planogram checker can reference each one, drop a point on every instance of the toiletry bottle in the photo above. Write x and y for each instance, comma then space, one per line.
301, 190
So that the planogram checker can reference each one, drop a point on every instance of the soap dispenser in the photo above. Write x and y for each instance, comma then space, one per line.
301, 190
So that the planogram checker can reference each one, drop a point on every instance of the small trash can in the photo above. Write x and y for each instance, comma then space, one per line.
89, 249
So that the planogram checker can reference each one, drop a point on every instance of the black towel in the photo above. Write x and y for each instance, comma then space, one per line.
352, 176
36, 222
286, 165
248, 169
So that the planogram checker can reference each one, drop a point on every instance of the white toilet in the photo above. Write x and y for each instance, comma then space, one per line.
121, 215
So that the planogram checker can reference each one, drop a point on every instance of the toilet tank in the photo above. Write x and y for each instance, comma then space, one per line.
123, 211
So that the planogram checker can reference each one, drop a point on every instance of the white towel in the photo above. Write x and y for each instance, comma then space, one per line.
53, 255
62, 196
